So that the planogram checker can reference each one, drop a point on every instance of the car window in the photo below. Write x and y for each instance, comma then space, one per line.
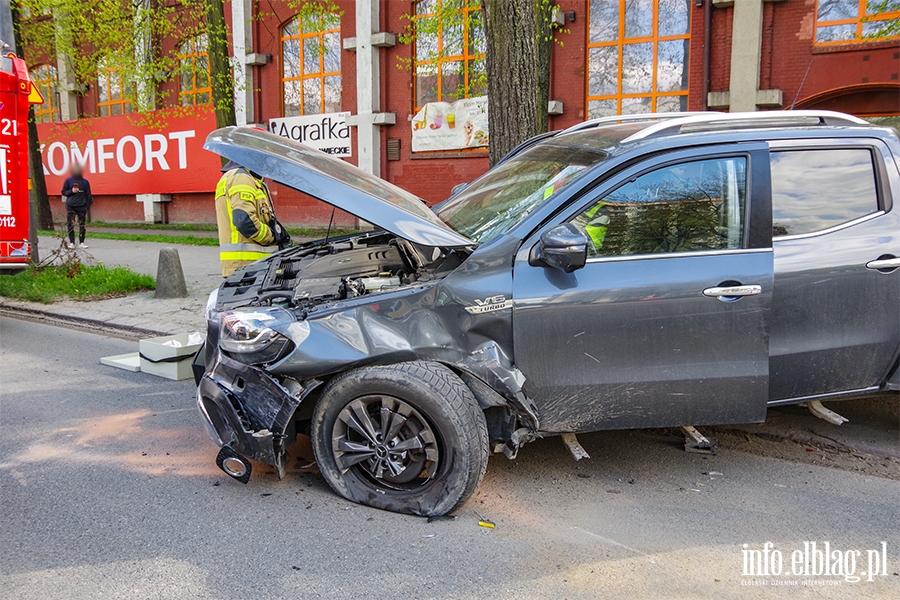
813, 190
686, 207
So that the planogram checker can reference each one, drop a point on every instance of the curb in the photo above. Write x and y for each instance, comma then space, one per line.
127, 332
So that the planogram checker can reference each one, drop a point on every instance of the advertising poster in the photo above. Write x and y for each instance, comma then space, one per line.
156, 153
451, 125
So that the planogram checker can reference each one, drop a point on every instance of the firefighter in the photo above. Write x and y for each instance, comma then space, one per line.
248, 229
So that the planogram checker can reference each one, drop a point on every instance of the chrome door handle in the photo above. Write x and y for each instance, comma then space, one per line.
736, 290
883, 263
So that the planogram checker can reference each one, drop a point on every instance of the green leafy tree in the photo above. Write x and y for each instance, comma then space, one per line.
221, 74
86, 36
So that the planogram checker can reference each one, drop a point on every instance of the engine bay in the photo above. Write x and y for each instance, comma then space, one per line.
309, 275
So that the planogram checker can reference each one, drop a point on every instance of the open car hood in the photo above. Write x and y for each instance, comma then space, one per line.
336, 182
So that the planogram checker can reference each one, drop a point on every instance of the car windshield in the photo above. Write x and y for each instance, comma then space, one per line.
501, 198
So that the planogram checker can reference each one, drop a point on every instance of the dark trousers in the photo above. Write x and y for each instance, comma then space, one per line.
71, 214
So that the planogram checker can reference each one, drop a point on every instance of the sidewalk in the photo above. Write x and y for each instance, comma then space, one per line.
201, 273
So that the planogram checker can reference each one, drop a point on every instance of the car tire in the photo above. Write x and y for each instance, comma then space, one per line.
439, 427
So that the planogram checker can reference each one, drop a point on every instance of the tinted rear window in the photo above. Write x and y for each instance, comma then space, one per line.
813, 190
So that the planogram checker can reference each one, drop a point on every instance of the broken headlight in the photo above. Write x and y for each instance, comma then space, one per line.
211, 305
250, 336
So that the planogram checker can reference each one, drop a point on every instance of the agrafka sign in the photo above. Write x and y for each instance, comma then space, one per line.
328, 133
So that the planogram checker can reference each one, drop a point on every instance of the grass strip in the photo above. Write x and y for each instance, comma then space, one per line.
160, 226
49, 284
187, 240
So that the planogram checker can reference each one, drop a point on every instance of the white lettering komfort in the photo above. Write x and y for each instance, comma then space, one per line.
128, 154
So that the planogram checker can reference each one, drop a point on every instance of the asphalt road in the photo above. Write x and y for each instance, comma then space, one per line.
109, 491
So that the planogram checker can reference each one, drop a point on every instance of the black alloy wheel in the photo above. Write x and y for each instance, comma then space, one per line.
406, 437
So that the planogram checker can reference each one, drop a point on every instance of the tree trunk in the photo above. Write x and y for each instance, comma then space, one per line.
518, 71
43, 216
222, 79
41, 213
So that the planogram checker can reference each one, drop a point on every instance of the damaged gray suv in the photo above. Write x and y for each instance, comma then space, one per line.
631, 272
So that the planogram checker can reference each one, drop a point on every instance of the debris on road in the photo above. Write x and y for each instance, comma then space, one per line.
487, 524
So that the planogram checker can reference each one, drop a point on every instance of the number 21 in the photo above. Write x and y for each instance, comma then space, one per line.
10, 127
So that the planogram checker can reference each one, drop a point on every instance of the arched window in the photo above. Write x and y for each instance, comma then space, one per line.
193, 72
449, 53
114, 93
311, 65
638, 55
44, 77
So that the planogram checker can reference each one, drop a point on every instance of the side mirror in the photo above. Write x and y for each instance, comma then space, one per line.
564, 247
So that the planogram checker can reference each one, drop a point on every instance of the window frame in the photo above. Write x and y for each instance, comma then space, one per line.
192, 56
321, 74
464, 59
107, 73
51, 106
862, 17
619, 42
745, 233
882, 186
609, 176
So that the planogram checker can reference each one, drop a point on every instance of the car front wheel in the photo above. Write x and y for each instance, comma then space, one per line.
407, 438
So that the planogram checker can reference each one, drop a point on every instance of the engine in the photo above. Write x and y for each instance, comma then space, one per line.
348, 267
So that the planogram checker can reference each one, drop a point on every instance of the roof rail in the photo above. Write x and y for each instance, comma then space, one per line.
613, 119
744, 120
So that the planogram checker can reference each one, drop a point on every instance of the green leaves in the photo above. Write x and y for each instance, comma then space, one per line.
119, 34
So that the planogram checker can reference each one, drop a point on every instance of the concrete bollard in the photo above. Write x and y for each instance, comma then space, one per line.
169, 275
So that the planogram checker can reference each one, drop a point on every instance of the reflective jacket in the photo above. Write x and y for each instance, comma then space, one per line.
244, 213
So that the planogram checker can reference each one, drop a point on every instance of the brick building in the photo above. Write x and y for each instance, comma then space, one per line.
616, 56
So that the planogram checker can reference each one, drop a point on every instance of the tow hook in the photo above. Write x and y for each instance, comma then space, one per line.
694, 441
234, 465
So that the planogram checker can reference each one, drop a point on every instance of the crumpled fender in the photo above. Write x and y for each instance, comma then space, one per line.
249, 410
432, 321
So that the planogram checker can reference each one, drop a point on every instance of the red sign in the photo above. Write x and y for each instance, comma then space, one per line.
160, 152
15, 88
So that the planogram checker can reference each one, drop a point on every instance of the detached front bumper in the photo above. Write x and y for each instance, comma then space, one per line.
247, 410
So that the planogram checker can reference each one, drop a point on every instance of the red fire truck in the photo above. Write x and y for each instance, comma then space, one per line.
16, 93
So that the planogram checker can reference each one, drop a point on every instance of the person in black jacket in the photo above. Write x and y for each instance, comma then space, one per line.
77, 192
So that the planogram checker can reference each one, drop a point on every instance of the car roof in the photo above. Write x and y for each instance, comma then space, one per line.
619, 133
633, 138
